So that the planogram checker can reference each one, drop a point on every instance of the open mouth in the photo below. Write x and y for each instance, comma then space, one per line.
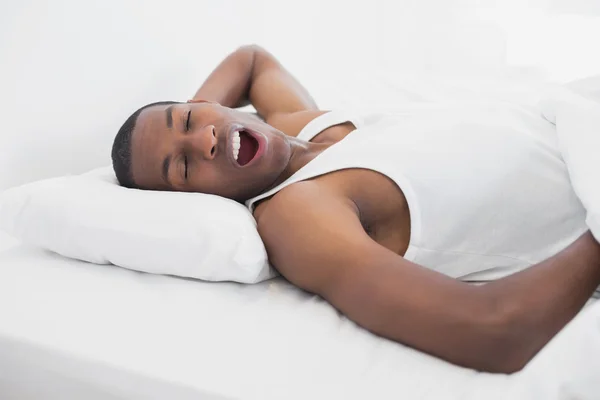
248, 147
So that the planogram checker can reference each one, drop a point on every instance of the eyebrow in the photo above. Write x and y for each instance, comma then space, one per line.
165, 169
169, 112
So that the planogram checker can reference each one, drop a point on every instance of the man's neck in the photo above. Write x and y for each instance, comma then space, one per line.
302, 152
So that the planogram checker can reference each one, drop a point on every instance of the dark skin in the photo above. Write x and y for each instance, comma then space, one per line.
357, 226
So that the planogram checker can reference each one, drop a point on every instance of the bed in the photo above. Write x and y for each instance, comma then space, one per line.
73, 330
88, 331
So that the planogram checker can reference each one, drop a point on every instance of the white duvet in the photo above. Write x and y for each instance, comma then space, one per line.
577, 120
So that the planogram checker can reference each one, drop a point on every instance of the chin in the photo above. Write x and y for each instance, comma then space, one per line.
245, 195
280, 149
258, 186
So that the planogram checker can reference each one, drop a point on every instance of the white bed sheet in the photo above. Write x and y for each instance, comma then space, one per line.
73, 330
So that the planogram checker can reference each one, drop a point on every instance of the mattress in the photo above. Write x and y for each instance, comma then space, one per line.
73, 330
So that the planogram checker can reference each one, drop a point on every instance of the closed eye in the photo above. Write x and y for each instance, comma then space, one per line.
185, 165
187, 120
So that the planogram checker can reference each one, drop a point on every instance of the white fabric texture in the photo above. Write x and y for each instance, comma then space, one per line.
487, 189
91, 218
568, 368
72, 330
577, 120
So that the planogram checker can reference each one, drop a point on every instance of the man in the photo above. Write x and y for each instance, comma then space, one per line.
394, 251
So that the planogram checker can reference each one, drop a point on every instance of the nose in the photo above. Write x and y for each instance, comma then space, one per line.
203, 142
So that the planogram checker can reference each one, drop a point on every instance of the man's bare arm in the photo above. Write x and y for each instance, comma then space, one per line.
496, 327
251, 74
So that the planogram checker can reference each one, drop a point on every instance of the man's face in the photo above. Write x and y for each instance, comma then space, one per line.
192, 147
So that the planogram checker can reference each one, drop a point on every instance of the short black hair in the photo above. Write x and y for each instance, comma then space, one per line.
121, 149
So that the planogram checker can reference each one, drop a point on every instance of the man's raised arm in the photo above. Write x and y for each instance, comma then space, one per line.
251, 74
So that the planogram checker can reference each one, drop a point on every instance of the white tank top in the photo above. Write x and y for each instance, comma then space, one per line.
487, 190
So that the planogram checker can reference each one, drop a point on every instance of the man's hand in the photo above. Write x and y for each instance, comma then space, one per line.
253, 75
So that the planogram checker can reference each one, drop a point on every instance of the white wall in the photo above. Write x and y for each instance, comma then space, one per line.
73, 70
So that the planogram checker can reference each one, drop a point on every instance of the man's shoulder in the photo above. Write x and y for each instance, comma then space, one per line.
304, 227
302, 201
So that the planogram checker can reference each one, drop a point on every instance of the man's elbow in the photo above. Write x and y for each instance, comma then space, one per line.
510, 343
253, 48
506, 359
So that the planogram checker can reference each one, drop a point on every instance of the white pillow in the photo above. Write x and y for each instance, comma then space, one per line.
90, 217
